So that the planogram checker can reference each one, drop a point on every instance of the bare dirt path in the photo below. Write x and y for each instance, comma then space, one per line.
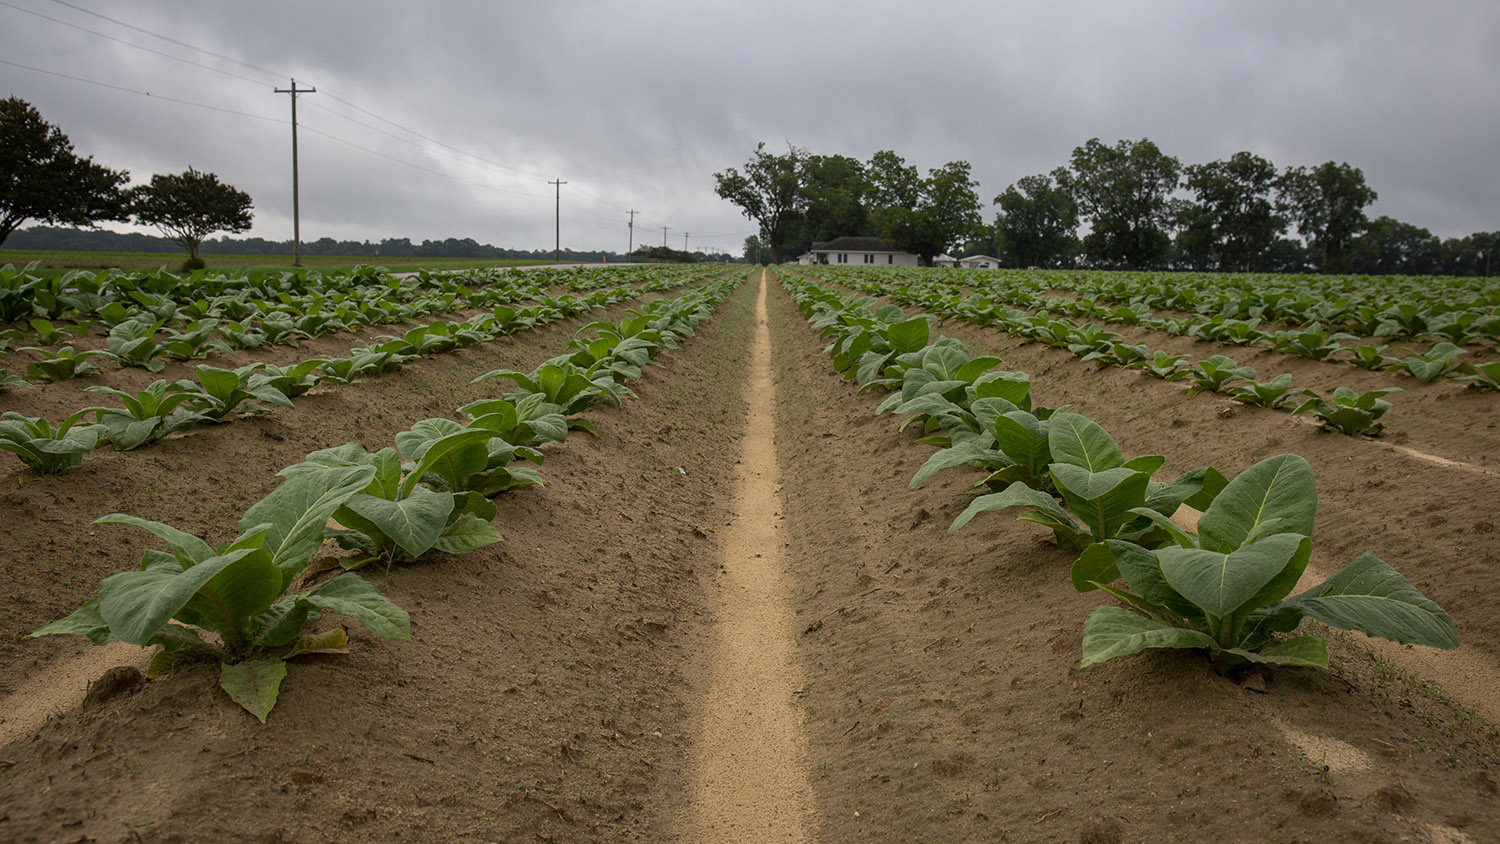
747, 775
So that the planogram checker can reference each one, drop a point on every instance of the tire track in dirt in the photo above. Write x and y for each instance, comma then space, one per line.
747, 775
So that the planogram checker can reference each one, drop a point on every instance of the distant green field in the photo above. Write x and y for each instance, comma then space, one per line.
221, 263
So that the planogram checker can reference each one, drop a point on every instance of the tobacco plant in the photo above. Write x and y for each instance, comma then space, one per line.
1441, 359
241, 603
1351, 412
220, 394
145, 417
1225, 590
395, 519
62, 364
45, 448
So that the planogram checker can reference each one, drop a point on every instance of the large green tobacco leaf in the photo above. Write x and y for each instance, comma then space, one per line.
910, 335
188, 549
466, 534
253, 684
1276, 495
351, 595
235, 595
136, 604
1102, 500
1015, 495
1081, 441
85, 621
1309, 651
438, 451
1373, 598
412, 524
1114, 631
298, 510
1223, 583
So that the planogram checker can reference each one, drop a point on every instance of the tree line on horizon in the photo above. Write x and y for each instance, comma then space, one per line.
1142, 208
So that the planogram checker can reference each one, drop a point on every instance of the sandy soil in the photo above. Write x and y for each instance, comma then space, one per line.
747, 776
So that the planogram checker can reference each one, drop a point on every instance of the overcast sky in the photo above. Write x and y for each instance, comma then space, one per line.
448, 119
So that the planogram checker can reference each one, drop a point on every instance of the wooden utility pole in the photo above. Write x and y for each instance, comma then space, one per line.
664, 237
296, 208
631, 248
557, 256
685, 236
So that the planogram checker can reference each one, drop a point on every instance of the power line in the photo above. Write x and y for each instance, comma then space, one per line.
276, 73
141, 93
129, 43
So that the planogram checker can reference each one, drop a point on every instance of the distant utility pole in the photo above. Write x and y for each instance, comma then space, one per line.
296, 210
685, 236
631, 248
557, 256
664, 237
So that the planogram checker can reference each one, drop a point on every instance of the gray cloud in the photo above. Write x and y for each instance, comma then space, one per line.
635, 105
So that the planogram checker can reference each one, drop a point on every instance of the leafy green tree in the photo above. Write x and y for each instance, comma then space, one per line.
770, 193
1472, 255
923, 216
1124, 192
190, 206
836, 189
1234, 220
42, 179
1327, 204
1391, 247
1037, 225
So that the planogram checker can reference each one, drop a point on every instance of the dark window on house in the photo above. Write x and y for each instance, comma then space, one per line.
843, 257
890, 259
869, 259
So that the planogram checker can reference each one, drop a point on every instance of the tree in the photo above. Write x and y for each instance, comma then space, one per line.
1234, 220
1391, 247
1327, 203
835, 187
42, 179
1037, 225
923, 216
768, 192
1125, 193
189, 207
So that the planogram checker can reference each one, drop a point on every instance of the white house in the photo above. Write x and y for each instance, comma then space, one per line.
859, 251
979, 262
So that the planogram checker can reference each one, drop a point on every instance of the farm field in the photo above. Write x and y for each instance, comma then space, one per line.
558, 685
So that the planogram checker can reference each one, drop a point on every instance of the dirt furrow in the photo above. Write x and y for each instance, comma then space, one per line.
747, 764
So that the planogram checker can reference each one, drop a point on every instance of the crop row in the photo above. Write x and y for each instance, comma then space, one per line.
1225, 590
151, 318
1345, 410
1458, 310
249, 603
1310, 340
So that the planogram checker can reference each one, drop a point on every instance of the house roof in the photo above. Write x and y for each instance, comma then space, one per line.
980, 258
855, 244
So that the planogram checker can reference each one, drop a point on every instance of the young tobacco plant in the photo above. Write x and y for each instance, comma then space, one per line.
219, 394
1106, 496
1217, 371
1441, 359
1351, 412
1225, 590
145, 417
62, 364
1271, 393
47, 449
241, 603
395, 519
